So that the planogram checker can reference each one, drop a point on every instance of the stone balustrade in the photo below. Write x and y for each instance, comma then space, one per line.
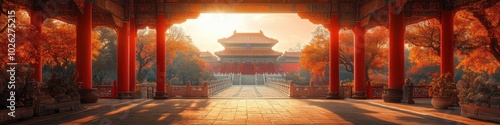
173, 91
216, 86
278, 84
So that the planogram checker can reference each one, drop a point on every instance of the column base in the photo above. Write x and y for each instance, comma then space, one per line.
359, 95
134, 95
160, 95
333, 95
88, 95
123, 95
393, 95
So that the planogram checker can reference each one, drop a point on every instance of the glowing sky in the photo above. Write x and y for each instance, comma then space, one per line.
288, 29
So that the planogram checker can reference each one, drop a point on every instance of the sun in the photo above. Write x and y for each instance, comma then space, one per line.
219, 21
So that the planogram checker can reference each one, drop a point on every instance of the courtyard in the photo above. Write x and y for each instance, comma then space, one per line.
255, 111
245, 104
210, 62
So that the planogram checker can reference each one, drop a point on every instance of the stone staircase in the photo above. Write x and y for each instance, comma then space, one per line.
260, 79
236, 79
247, 79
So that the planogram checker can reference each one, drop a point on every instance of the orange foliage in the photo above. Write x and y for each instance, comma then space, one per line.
479, 61
315, 55
346, 52
177, 40
145, 48
471, 43
422, 57
376, 51
57, 42
424, 44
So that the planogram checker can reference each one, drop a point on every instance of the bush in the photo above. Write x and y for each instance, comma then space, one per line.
478, 90
24, 88
442, 86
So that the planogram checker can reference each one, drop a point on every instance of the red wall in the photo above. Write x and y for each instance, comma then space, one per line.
288, 67
247, 68
212, 67
218, 67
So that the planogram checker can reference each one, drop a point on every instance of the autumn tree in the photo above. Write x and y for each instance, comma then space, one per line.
297, 48
183, 58
376, 53
25, 33
57, 43
4, 7
346, 49
376, 40
486, 13
314, 56
486, 57
474, 41
188, 66
177, 40
145, 53
424, 46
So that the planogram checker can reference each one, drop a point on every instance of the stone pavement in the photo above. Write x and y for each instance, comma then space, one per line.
254, 111
249, 91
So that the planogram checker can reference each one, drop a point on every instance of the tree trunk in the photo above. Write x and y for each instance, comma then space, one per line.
183, 80
367, 77
495, 48
492, 30
141, 75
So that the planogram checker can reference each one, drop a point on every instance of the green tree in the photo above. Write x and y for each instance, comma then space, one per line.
188, 66
104, 65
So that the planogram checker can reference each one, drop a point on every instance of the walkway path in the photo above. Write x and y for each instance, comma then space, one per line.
249, 91
254, 111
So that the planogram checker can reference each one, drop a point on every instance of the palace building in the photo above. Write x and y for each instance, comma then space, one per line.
250, 53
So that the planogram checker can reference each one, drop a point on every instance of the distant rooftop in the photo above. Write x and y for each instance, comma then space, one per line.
206, 54
291, 54
248, 38
248, 53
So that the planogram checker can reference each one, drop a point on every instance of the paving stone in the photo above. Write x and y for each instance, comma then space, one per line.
249, 91
255, 111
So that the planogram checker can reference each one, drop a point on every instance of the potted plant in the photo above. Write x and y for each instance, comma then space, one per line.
442, 89
479, 97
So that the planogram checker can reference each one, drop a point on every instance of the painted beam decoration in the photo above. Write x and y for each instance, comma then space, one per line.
179, 11
347, 12
370, 7
369, 12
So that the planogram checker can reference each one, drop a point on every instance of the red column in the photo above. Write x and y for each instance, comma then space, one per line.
266, 67
123, 62
231, 67
160, 57
334, 82
359, 62
222, 67
258, 67
447, 43
113, 89
396, 56
37, 20
84, 54
133, 34
254, 68
241, 68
